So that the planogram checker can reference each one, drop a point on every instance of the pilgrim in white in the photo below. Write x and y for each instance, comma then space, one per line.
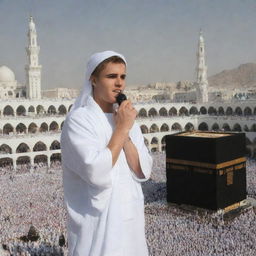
104, 161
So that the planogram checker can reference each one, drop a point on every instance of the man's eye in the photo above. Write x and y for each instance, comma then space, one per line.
123, 77
112, 76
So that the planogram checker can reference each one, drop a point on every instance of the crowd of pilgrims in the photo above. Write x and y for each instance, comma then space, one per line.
32, 200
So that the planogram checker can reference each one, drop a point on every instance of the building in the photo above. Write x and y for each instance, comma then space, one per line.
33, 69
201, 81
30, 124
8, 84
31, 119
60, 93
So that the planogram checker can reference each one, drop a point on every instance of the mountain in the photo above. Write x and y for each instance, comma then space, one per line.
242, 77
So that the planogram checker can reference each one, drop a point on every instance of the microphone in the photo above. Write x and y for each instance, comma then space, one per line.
120, 98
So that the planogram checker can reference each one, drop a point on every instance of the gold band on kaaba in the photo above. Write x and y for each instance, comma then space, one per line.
206, 165
225, 168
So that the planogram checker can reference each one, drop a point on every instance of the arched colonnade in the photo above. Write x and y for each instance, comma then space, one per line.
36, 151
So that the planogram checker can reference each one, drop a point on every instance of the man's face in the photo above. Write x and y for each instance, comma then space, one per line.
109, 83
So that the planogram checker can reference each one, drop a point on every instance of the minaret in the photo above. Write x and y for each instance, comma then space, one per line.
201, 81
33, 69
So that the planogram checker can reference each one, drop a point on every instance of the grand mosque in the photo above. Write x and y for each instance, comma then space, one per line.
31, 119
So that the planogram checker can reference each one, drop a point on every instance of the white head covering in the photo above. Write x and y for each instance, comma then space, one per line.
93, 62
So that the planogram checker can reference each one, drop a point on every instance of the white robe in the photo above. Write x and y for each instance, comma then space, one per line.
105, 204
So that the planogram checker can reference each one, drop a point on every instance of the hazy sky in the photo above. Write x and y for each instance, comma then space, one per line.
158, 37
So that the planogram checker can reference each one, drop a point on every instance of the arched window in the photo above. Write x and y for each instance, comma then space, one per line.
51, 110
32, 128
189, 127
8, 111
40, 110
54, 126
229, 111
215, 127
237, 128
154, 128
31, 109
164, 128
221, 111
20, 111
163, 111
247, 111
203, 127
144, 129
152, 112
176, 127
22, 148
193, 111
6, 161
23, 160
226, 127
5, 149
203, 111
173, 111
7, 129
39, 146
212, 111
55, 157
62, 110
142, 113
43, 127
238, 111
55, 145
183, 112
40, 159
21, 128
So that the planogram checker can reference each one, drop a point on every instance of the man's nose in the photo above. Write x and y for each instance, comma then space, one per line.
119, 82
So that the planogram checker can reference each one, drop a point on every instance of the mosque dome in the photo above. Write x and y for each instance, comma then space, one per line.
6, 74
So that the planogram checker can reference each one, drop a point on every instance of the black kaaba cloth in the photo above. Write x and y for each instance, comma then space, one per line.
206, 169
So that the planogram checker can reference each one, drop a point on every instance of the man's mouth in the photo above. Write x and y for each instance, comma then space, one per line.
117, 91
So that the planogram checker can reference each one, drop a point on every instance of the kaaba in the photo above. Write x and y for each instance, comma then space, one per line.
206, 169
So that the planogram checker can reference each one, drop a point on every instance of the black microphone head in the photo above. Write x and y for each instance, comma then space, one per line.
120, 98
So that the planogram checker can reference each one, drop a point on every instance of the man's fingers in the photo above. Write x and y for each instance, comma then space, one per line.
124, 103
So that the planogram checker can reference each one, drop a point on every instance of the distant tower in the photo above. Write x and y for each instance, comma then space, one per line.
33, 69
201, 82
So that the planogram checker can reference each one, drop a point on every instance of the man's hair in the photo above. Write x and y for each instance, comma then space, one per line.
102, 65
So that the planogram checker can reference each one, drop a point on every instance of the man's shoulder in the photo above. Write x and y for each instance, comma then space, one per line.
78, 119
81, 112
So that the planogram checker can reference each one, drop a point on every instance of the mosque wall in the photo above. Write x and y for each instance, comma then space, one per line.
30, 130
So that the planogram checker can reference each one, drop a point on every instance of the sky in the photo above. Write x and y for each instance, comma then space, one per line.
158, 37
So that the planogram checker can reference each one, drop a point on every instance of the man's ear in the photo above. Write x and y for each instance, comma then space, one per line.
93, 80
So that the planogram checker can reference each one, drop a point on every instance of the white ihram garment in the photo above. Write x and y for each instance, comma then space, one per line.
105, 204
